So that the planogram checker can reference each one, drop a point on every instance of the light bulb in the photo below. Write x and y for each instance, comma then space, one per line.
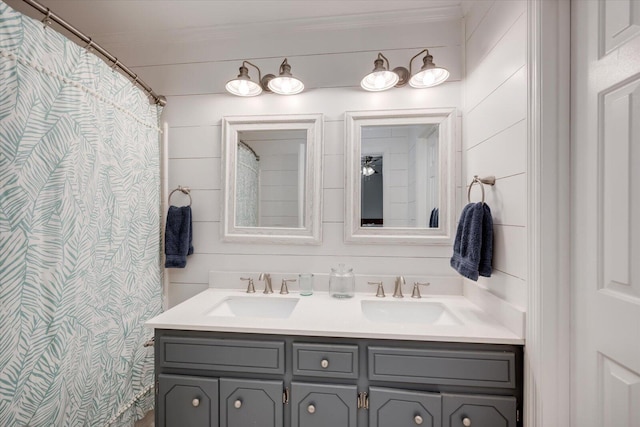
379, 80
286, 84
243, 88
429, 78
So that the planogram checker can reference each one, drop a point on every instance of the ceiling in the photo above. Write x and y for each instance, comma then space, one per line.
108, 18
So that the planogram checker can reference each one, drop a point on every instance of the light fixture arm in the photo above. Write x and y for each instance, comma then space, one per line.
414, 57
285, 68
254, 66
380, 55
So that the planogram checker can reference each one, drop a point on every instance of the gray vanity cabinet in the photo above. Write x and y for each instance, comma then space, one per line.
224, 379
478, 411
185, 401
403, 408
252, 403
323, 405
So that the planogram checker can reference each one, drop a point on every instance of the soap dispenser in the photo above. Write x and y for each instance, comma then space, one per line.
342, 282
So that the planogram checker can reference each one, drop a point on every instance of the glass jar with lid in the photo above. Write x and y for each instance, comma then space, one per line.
342, 282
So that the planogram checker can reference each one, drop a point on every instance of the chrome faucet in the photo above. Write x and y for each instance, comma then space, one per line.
267, 283
397, 290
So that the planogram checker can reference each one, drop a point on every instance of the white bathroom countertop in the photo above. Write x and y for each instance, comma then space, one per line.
322, 315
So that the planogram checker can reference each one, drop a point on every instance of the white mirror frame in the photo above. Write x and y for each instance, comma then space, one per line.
311, 233
448, 137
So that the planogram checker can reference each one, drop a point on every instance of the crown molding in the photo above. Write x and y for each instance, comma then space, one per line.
440, 13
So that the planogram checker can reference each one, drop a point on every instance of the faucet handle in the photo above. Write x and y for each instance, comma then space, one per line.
380, 290
250, 288
416, 289
284, 289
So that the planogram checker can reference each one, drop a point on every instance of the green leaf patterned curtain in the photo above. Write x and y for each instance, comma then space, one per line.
79, 233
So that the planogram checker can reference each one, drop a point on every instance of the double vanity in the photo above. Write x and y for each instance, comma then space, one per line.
232, 359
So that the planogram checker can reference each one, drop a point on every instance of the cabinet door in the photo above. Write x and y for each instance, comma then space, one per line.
323, 405
460, 410
185, 401
250, 403
403, 408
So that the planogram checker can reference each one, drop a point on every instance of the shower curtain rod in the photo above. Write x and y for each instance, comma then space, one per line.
49, 15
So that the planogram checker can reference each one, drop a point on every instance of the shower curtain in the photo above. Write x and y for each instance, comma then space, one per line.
247, 188
79, 233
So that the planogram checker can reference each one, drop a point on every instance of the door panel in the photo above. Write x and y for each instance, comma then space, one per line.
605, 210
403, 408
323, 405
251, 403
185, 401
478, 411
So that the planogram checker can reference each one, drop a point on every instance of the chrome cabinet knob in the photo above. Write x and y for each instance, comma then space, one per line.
466, 422
324, 363
418, 419
237, 404
195, 402
311, 409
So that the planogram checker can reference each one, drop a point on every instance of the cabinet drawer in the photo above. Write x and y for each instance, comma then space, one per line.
224, 355
471, 368
323, 360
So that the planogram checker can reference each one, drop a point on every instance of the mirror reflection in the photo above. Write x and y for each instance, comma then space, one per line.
270, 178
399, 169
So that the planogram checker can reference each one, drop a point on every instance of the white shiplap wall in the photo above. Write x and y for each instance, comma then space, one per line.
495, 134
194, 147
332, 68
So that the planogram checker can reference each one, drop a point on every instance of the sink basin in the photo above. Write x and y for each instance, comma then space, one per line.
274, 308
431, 313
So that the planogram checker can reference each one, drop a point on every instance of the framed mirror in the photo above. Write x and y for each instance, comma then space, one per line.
272, 178
400, 176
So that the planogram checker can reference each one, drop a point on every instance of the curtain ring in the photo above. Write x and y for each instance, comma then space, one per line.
47, 18
115, 64
89, 45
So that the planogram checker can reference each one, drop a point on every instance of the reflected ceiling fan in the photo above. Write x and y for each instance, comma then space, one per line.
369, 164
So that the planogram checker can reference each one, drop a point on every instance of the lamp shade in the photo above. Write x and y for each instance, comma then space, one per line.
285, 83
243, 85
429, 75
380, 78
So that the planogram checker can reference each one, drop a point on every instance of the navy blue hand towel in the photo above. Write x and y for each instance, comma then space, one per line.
473, 247
178, 237
434, 219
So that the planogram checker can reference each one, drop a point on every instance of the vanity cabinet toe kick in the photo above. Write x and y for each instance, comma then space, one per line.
241, 380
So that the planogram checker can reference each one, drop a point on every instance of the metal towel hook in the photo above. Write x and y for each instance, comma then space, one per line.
184, 190
489, 180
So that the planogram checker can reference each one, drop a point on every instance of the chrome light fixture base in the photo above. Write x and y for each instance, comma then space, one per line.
403, 76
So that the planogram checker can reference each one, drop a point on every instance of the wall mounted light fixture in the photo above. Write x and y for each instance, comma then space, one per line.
382, 79
243, 85
284, 84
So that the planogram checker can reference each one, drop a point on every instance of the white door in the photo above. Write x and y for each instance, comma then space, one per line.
605, 147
